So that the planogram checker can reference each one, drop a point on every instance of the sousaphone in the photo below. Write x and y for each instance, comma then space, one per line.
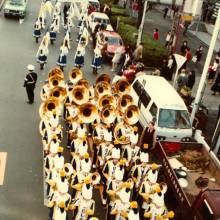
108, 114
80, 95
117, 135
95, 177
122, 86
56, 72
87, 113
102, 88
51, 105
131, 115
55, 81
58, 93
75, 74
106, 100
124, 101
83, 82
103, 77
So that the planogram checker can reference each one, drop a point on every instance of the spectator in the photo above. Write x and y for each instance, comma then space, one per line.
165, 12
186, 27
170, 67
216, 86
116, 58
182, 80
212, 71
156, 34
188, 54
168, 38
191, 79
138, 53
198, 54
183, 47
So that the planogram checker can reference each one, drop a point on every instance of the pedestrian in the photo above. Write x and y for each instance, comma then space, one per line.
188, 55
212, 71
116, 58
95, 31
138, 53
166, 9
30, 82
191, 79
168, 38
148, 136
198, 54
62, 60
170, 67
97, 60
156, 34
183, 47
37, 30
186, 27
43, 52
182, 80
80, 53
216, 86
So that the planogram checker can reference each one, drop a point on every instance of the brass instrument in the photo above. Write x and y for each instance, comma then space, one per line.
131, 115
75, 74
108, 114
124, 101
102, 88
83, 82
59, 93
80, 95
56, 72
106, 100
51, 105
103, 77
122, 86
95, 177
87, 112
68, 168
120, 139
55, 81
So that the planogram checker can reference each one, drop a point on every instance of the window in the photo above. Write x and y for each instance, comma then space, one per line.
138, 88
205, 211
153, 110
169, 118
145, 98
114, 41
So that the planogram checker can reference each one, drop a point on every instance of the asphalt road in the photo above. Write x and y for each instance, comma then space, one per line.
21, 196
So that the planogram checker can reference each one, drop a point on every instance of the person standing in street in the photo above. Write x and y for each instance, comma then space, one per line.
184, 47
165, 12
168, 38
191, 79
138, 53
216, 86
198, 54
29, 83
156, 34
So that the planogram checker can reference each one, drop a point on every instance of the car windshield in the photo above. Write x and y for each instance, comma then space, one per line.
114, 41
16, 2
105, 21
169, 118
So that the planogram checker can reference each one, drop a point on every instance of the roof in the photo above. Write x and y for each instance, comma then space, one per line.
96, 1
111, 33
99, 15
163, 94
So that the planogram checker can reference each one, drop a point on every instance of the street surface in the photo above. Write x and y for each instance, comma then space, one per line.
21, 196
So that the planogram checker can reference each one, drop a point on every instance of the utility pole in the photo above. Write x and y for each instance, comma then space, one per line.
202, 82
140, 31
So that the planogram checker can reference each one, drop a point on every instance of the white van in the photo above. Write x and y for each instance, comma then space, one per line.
159, 101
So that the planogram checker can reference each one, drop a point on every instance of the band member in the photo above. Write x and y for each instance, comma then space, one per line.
79, 57
97, 60
30, 82
62, 60
37, 30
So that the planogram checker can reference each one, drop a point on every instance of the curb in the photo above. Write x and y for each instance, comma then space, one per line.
1, 4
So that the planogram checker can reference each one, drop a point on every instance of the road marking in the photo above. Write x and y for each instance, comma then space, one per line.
3, 158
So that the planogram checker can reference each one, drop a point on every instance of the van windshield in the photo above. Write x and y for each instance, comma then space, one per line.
170, 118
16, 2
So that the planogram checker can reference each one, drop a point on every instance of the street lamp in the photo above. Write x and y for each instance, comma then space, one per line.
206, 66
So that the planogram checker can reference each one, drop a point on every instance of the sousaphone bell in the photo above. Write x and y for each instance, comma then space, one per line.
106, 100
80, 95
59, 93
95, 177
55, 81
108, 114
131, 115
75, 74
122, 86
124, 101
87, 113
118, 136
83, 82
103, 77
68, 168
51, 105
102, 88
56, 72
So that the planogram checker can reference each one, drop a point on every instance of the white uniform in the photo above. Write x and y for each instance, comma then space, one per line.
130, 154
104, 151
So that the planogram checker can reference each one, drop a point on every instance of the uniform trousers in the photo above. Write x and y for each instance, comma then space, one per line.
30, 93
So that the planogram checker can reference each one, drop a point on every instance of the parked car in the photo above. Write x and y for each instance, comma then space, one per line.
102, 17
114, 41
15, 8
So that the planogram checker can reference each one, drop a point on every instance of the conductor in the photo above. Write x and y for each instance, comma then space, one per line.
29, 83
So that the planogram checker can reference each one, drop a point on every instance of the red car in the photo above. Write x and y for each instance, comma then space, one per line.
114, 41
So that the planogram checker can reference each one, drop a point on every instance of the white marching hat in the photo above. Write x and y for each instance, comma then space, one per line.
30, 67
